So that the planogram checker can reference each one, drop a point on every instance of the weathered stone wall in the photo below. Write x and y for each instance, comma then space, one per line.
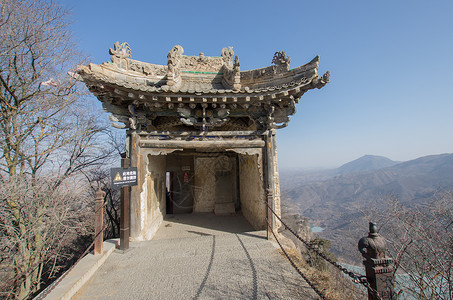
206, 168
204, 184
151, 199
155, 195
253, 204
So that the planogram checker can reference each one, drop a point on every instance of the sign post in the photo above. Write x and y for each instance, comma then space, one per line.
124, 178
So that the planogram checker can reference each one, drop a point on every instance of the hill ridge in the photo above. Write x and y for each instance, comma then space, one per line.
334, 201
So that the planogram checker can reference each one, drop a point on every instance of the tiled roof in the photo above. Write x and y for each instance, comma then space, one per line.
191, 83
204, 76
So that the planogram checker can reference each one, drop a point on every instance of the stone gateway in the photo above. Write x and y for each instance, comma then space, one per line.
200, 131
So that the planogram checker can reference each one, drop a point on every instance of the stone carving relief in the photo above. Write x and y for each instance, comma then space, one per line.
116, 120
203, 115
224, 163
146, 68
277, 116
166, 122
120, 53
281, 114
118, 115
201, 63
132, 117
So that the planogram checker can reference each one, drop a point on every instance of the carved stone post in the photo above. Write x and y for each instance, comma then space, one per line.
124, 209
378, 267
99, 222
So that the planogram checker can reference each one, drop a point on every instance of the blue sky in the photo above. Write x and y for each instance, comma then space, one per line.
390, 61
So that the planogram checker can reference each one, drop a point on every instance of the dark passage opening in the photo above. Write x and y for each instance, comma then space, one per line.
179, 184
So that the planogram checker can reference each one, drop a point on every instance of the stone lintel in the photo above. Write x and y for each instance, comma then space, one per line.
246, 151
201, 134
217, 144
162, 151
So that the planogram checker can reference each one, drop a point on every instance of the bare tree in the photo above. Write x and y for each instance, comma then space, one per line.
100, 178
47, 135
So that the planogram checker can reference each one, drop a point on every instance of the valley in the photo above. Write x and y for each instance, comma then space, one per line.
342, 201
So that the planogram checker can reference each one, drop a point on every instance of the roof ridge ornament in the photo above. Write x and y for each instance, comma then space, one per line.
174, 62
227, 55
232, 74
120, 53
321, 81
281, 60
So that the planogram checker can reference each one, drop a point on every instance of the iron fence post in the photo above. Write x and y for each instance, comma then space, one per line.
378, 267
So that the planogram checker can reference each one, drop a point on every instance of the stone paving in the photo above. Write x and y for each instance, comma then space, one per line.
199, 256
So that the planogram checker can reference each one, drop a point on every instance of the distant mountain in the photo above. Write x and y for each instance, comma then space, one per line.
293, 178
433, 165
337, 202
366, 163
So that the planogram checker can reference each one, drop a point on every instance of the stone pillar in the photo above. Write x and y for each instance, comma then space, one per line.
378, 267
276, 198
270, 175
135, 207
